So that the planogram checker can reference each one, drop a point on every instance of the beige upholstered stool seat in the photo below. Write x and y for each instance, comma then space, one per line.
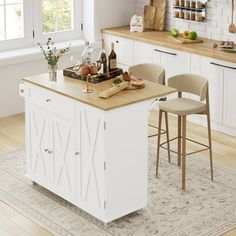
182, 106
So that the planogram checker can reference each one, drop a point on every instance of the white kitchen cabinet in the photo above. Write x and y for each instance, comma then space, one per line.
229, 111
123, 49
175, 62
94, 158
142, 53
40, 162
51, 142
214, 74
65, 157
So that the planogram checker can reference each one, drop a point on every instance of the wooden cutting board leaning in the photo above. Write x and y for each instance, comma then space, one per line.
154, 15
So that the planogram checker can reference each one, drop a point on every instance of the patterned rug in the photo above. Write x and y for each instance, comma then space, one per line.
206, 208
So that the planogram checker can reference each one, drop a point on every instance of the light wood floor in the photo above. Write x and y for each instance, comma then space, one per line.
12, 138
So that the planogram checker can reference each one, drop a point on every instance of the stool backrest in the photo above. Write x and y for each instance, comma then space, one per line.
151, 72
190, 83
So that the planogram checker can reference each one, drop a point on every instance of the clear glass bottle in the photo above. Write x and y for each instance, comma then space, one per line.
193, 4
87, 54
181, 3
186, 14
176, 13
181, 14
193, 15
187, 3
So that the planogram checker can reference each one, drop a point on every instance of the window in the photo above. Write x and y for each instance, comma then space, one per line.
11, 19
26, 22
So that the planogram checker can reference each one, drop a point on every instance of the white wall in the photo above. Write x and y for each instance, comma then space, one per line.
100, 14
11, 76
215, 27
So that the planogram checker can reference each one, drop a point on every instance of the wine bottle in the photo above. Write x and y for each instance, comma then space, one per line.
103, 58
112, 59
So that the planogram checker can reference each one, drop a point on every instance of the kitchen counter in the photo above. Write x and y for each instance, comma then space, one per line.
160, 39
73, 89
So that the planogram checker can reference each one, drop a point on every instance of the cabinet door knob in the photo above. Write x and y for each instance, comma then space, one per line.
117, 41
48, 100
77, 153
46, 150
50, 152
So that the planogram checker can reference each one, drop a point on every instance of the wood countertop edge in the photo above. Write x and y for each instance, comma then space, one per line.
190, 48
95, 105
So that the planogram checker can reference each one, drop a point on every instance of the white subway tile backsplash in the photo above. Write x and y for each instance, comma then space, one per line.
216, 24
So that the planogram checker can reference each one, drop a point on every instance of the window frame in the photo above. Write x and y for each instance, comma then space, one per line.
58, 36
27, 40
32, 16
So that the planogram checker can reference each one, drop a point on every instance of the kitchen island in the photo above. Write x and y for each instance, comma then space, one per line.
88, 150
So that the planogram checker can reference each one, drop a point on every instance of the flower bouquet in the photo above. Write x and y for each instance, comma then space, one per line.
52, 56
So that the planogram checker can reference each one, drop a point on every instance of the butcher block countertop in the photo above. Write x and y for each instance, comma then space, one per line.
73, 89
160, 39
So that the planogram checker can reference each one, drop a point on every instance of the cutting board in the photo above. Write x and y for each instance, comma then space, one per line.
161, 6
181, 40
149, 17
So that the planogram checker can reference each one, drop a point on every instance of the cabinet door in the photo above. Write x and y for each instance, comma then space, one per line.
123, 49
41, 163
208, 68
142, 53
92, 159
64, 157
174, 61
229, 111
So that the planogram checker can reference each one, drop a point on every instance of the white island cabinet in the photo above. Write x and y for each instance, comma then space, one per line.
90, 151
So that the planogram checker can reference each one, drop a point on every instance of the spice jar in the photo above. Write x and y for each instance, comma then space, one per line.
176, 13
181, 3
181, 14
198, 16
187, 3
192, 15
193, 4
199, 5
186, 15
176, 2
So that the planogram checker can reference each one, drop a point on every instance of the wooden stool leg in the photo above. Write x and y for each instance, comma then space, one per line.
183, 151
179, 140
167, 135
158, 141
210, 143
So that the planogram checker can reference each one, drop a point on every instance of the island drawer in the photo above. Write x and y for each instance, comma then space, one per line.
52, 101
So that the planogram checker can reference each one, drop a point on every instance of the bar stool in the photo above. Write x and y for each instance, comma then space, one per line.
193, 84
154, 73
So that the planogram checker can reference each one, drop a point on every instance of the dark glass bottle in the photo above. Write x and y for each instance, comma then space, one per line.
103, 58
112, 59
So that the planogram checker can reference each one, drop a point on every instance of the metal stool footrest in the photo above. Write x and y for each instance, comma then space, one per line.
188, 139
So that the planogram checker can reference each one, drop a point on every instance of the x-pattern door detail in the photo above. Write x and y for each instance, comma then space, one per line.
91, 146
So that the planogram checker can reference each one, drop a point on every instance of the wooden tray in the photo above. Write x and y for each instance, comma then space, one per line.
181, 40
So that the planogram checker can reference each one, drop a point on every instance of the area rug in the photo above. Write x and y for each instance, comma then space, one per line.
205, 208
